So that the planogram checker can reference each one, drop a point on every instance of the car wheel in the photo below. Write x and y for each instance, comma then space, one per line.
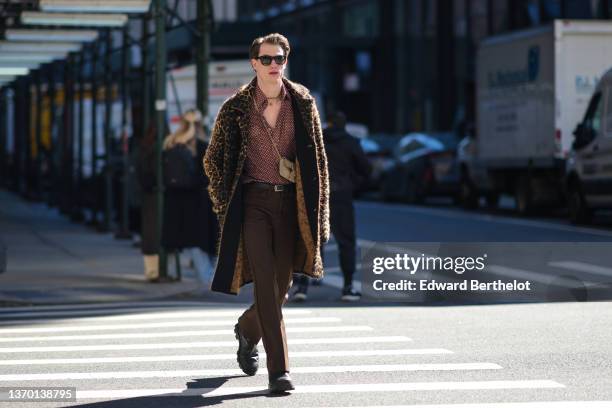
579, 213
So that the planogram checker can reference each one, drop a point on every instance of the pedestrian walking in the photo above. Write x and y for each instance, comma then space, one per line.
189, 223
269, 187
349, 168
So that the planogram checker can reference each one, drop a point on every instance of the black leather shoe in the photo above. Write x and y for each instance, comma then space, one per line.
248, 356
280, 382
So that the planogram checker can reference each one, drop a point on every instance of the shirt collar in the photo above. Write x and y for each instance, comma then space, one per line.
260, 98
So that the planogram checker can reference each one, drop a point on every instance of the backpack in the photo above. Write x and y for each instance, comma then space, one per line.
179, 168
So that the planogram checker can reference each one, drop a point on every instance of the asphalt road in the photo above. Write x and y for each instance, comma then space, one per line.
439, 222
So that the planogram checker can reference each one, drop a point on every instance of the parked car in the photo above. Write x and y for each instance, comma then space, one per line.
358, 130
589, 166
378, 150
424, 165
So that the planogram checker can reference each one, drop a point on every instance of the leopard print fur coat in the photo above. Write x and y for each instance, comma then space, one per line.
224, 164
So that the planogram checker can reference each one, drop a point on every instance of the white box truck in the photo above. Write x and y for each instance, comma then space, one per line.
532, 88
224, 79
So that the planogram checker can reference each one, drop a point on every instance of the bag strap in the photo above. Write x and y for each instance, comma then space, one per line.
264, 123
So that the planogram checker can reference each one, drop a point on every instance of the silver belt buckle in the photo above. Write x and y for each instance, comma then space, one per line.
279, 187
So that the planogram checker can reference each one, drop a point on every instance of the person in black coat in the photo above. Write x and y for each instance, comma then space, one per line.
189, 222
348, 169
147, 179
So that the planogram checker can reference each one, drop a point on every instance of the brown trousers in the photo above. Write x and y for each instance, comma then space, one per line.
270, 231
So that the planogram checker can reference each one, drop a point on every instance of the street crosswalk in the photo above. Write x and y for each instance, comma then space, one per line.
128, 351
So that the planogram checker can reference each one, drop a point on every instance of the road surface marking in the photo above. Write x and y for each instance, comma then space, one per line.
316, 389
166, 346
230, 371
180, 323
187, 333
111, 306
230, 356
102, 315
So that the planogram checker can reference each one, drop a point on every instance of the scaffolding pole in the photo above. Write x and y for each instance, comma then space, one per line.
202, 58
124, 229
160, 120
108, 117
94, 136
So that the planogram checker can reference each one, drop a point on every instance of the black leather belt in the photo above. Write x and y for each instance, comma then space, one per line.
271, 187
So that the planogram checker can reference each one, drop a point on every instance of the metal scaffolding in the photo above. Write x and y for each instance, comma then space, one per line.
49, 104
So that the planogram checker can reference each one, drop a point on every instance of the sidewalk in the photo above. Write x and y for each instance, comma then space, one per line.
51, 260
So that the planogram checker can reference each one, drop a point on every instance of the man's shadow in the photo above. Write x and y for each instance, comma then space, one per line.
195, 395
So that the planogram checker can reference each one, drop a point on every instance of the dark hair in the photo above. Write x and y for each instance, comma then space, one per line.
338, 120
274, 39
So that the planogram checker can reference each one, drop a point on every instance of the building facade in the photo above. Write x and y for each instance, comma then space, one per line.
400, 65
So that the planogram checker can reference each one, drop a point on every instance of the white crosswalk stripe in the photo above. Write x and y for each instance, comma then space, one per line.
189, 333
157, 325
101, 315
122, 352
118, 306
200, 344
337, 388
232, 356
231, 371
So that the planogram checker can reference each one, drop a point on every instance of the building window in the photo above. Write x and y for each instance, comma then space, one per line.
361, 20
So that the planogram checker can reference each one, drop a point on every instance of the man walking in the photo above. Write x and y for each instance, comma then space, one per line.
269, 186
348, 169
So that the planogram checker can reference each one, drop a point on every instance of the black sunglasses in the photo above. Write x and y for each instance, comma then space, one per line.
267, 59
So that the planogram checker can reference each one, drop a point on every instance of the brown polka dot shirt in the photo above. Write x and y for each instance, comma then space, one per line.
262, 161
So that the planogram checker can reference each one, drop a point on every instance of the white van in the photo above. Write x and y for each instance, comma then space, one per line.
589, 166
